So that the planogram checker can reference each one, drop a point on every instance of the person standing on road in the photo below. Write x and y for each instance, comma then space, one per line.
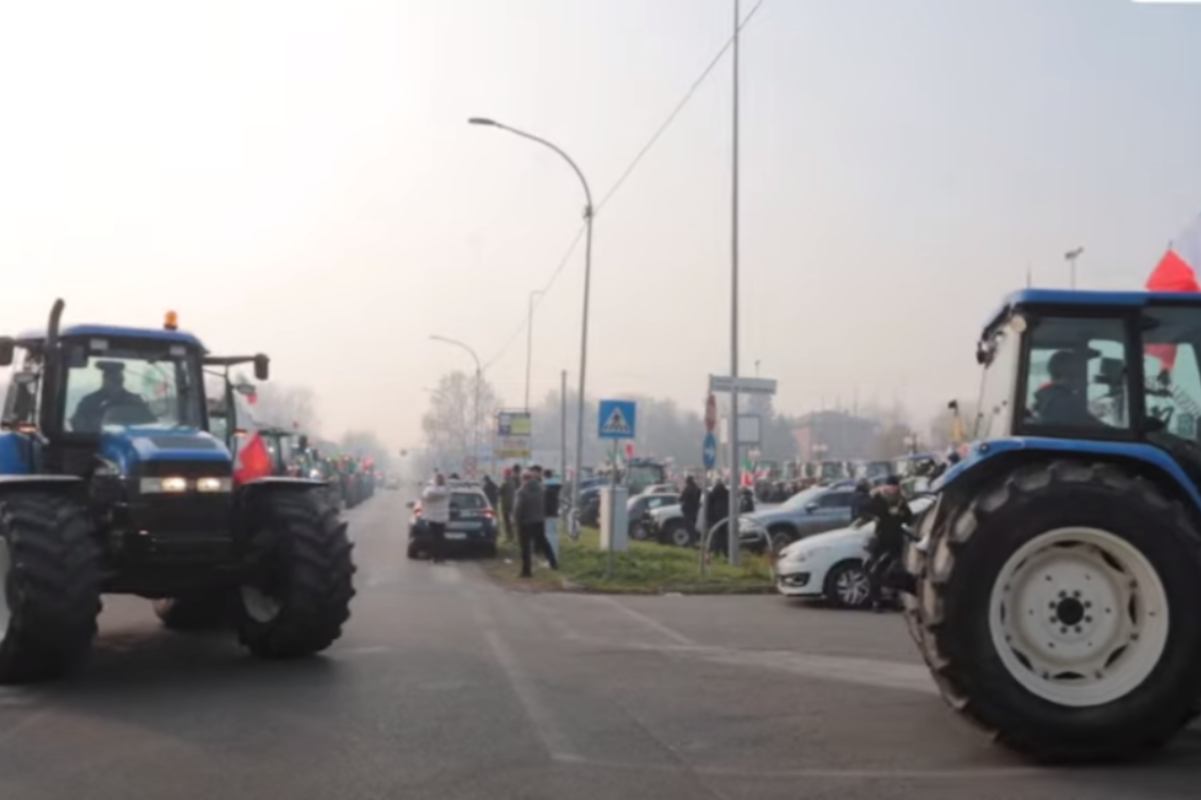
690, 504
890, 509
551, 489
435, 510
491, 491
530, 515
719, 511
860, 498
508, 488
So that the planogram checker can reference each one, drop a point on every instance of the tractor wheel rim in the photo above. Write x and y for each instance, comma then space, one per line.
5, 569
852, 587
260, 606
1079, 616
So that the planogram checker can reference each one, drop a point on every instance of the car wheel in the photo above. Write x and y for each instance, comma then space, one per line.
677, 533
638, 532
848, 585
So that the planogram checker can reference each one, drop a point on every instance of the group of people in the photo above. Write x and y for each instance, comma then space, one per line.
527, 505
717, 507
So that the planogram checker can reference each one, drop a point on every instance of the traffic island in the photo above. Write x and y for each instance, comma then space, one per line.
646, 568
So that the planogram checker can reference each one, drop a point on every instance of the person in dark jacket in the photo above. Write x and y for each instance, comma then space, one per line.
530, 515
718, 509
889, 508
690, 503
1062, 400
551, 489
508, 488
860, 499
491, 491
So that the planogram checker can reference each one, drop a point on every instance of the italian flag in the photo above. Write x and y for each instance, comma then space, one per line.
251, 459
1177, 272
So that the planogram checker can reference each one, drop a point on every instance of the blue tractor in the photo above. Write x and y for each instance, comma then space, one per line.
111, 482
1055, 587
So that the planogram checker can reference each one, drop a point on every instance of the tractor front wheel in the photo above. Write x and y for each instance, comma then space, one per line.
49, 585
295, 603
1056, 610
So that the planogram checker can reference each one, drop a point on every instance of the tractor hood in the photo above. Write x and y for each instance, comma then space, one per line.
129, 447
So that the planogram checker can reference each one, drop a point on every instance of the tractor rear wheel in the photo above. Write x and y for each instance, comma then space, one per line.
297, 601
1056, 610
49, 585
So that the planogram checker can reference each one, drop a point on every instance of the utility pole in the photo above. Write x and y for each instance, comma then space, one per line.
735, 479
563, 425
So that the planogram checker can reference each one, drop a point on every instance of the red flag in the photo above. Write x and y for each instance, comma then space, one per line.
253, 460
1176, 272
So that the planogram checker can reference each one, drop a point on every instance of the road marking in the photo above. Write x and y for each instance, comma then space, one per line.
545, 725
649, 622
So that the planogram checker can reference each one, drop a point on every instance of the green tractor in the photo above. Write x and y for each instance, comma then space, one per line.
1055, 587
110, 482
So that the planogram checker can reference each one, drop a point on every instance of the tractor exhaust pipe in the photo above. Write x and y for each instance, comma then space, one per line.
50, 368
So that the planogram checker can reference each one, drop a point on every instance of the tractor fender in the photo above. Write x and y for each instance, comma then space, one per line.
60, 484
988, 458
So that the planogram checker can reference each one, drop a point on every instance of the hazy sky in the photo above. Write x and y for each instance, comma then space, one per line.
298, 178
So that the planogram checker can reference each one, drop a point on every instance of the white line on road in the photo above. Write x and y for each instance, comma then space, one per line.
545, 725
649, 622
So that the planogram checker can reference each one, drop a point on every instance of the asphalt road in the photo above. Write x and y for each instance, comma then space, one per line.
447, 686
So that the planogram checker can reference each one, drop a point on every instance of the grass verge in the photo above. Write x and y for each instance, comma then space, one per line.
645, 569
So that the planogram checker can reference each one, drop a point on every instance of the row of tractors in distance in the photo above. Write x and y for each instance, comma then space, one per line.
349, 480
1055, 588
111, 482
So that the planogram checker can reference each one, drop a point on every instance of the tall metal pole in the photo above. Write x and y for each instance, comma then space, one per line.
735, 479
529, 344
563, 425
588, 214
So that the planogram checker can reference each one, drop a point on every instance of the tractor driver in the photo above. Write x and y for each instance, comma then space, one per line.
112, 398
1062, 401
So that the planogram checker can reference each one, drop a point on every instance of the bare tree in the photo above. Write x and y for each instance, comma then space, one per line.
449, 424
285, 406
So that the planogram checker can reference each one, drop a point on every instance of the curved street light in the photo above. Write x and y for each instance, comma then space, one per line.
475, 428
588, 214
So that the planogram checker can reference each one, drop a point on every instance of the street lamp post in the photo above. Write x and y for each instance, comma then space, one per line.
588, 214
475, 413
1071, 256
529, 344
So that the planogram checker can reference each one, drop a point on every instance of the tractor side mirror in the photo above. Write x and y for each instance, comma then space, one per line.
7, 344
262, 367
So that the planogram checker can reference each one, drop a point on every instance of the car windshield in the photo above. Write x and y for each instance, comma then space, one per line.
111, 384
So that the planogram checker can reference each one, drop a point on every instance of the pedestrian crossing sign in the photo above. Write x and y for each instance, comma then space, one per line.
617, 419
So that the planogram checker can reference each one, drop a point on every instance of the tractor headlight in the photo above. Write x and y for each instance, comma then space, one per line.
170, 485
214, 484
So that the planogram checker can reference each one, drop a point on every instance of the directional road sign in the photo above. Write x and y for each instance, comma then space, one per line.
724, 383
709, 450
616, 419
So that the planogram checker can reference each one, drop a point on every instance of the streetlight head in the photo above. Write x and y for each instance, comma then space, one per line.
481, 121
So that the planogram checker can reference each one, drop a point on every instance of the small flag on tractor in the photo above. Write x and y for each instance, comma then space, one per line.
1176, 272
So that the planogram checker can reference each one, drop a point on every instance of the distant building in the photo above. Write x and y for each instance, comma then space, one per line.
843, 435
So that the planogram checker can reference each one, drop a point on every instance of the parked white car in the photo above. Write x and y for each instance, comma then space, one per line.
832, 564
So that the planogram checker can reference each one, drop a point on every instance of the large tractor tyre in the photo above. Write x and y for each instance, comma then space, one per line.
194, 612
300, 596
1057, 610
49, 586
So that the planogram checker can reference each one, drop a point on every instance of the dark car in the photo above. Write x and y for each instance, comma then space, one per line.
639, 507
471, 529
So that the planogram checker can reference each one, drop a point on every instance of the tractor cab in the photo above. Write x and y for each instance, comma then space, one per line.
94, 396
1108, 367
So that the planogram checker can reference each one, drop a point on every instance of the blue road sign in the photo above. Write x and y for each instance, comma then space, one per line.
616, 419
709, 450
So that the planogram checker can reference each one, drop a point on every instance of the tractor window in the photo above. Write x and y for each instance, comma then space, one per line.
1172, 388
995, 410
1077, 374
110, 385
